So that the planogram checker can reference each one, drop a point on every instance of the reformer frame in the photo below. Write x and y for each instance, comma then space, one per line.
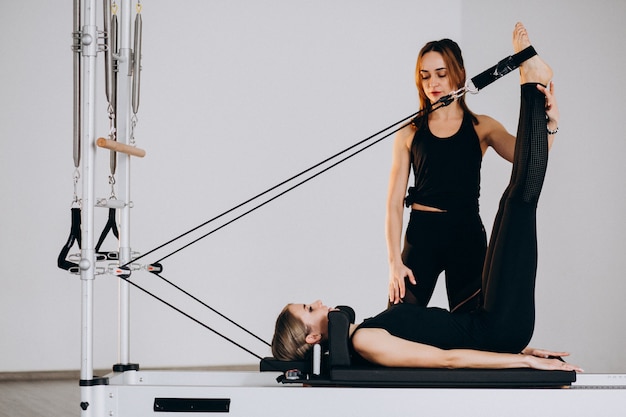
127, 391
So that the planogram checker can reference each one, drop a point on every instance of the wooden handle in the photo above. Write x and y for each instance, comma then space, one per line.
120, 147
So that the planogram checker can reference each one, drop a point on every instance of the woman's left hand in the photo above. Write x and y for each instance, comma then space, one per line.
552, 108
551, 364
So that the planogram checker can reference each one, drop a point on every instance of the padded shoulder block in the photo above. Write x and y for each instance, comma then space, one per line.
349, 311
338, 343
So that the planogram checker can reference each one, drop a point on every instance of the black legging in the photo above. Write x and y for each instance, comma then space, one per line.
511, 260
505, 322
454, 242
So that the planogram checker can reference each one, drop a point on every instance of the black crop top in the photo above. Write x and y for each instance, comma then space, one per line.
447, 170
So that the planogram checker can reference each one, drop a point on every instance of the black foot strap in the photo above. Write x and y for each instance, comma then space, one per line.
75, 236
111, 226
502, 68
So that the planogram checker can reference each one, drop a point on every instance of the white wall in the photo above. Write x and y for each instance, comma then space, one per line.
580, 286
238, 96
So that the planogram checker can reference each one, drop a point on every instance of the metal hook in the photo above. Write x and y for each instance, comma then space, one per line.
455, 95
133, 123
76, 177
449, 98
112, 129
112, 183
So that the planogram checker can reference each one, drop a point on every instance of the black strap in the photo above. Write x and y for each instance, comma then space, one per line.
75, 237
62, 262
111, 225
502, 68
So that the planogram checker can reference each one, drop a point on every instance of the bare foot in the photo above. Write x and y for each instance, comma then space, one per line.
533, 70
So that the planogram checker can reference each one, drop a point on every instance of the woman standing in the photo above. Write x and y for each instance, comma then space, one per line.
445, 150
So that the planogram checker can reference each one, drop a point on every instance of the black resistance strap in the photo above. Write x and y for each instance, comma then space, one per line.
502, 68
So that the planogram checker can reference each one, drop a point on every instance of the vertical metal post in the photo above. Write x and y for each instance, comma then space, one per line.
76, 47
91, 391
124, 84
87, 264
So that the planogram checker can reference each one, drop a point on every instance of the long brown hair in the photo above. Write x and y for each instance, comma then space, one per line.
453, 60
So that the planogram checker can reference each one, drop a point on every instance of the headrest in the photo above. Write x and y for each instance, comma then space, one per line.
338, 335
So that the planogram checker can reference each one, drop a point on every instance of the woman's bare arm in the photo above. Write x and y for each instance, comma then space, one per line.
398, 180
380, 347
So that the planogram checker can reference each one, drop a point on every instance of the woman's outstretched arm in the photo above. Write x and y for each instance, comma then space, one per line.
380, 347
398, 180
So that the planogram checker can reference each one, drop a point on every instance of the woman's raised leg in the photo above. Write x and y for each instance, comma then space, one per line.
511, 261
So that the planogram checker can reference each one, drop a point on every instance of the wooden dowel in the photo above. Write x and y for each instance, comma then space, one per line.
120, 147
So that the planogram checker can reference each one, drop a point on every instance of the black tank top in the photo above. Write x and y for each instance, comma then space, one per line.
430, 325
447, 170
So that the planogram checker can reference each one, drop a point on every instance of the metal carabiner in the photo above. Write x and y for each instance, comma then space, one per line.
470, 87
454, 95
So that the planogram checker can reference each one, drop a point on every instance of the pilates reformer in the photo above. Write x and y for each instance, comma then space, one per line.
280, 386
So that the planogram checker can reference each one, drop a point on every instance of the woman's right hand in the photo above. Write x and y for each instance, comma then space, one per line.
398, 180
397, 288
536, 362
